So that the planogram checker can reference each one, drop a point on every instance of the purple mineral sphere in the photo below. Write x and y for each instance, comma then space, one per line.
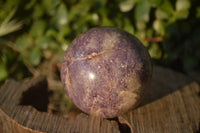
106, 71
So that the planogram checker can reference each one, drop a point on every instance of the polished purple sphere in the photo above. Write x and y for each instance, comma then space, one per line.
106, 71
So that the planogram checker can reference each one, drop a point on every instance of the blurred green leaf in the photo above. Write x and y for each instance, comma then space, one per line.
80, 9
181, 14
149, 32
142, 11
57, 2
141, 25
159, 26
13, 2
43, 42
182, 9
126, 5
38, 11
95, 18
62, 33
51, 33
8, 25
82, 24
30, 4
6, 56
155, 3
160, 14
23, 42
166, 7
54, 46
155, 51
128, 26
3, 72
61, 15
38, 28
198, 12
182, 5
49, 6
35, 56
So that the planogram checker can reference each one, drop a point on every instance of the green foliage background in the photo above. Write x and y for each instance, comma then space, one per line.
168, 28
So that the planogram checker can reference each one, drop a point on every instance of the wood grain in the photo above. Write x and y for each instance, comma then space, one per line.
7, 125
11, 95
172, 104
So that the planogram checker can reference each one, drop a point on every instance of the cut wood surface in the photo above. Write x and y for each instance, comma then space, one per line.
172, 105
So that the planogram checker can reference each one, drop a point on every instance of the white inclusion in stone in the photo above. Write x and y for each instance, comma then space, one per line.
91, 76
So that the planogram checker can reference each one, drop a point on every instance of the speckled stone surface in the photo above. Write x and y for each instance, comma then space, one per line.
106, 71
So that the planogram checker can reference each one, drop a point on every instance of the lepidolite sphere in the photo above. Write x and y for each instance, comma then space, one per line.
106, 71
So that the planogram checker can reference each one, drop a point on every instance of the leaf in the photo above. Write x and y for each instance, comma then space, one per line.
166, 7
49, 6
126, 6
155, 3
38, 28
12, 2
149, 32
82, 24
8, 25
95, 18
54, 46
83, 8
62, 33
51, 33
3, 72
128, 26
141, 25
105, 21
23, 42
182, 5
35, 56
181, 14
30, 4
160, 14
38, 11
159, 26
43, 42
142, 11
61, 15
155, 51
182, 9
198, 12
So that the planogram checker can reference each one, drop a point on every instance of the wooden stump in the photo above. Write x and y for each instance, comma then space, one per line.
172, 104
